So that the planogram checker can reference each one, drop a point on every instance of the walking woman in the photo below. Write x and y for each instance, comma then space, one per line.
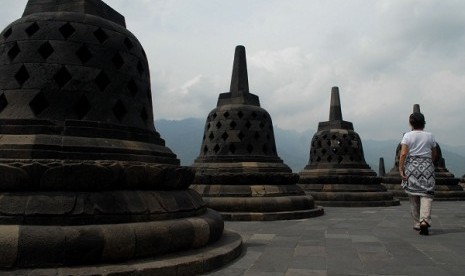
416, 167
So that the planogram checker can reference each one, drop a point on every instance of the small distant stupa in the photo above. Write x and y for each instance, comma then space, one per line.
238, 171
447, 187
337, 174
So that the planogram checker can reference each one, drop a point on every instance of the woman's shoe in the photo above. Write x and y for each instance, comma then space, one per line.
424, 228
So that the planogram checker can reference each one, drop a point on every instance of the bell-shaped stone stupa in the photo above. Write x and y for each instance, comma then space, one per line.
447, 185
238, 171
87, 185
337, 174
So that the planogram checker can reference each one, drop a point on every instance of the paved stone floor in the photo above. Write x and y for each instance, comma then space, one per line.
354, 241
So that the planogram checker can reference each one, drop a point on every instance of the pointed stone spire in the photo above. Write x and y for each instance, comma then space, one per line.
381, 169
239, 79
335, 112
239, 90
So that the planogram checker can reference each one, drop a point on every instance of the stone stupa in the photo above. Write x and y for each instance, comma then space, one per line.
87, 186
337, 173
447, 185
238, 171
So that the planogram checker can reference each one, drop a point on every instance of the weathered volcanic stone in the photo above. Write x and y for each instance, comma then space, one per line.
238, 171
381, 169
447, 185
337, 173
85, 179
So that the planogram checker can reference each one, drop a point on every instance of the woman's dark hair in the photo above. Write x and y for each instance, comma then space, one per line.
417, 120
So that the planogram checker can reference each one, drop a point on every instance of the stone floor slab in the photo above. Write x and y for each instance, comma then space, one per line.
354, 241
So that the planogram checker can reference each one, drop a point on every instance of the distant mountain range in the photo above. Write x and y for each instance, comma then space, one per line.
184, 137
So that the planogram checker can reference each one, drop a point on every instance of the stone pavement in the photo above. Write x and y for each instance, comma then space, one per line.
354, 241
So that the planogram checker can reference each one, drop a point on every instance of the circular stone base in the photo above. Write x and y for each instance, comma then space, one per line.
449, 195
394, 202
342, 199
259, 202
441, 193
269, 216
190, 262
396, 190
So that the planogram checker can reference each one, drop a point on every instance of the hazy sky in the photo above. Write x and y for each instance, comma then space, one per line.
385, 56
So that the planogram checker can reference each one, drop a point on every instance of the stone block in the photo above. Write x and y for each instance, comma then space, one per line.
9, 242
84, 245
119, 243
41, 245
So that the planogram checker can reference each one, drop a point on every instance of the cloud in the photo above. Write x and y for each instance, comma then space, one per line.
192, 98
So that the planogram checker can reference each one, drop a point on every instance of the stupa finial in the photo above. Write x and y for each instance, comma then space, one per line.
335, 112
382, 168
239, 91
416, 108
239, 80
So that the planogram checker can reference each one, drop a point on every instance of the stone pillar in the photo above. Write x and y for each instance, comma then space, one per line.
447, 187
87, 185
238, 170
381, 169
337, 173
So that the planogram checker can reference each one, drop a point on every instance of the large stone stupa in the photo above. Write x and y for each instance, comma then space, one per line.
87, 186
238, 171
337, 173
447, 185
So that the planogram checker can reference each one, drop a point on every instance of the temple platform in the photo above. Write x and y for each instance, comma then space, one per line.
353, 241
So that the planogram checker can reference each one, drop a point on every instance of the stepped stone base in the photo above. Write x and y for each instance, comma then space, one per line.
396, 190
441, 193
269, 216
447, 187
352, 200
259, 202
190, 262
350, 195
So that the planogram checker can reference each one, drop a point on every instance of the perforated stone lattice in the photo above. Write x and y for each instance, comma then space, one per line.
67, 30
336, 147
238, 132
93, 60
14, 51
46, 50
3, 102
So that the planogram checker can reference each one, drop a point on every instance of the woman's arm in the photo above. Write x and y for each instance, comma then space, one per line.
402, 157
